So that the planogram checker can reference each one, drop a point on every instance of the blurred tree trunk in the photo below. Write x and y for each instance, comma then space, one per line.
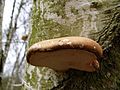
96, 19
19, 19
1, 49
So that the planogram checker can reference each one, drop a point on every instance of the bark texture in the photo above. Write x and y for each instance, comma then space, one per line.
96, 19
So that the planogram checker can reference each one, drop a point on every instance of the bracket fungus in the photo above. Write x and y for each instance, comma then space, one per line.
65, 53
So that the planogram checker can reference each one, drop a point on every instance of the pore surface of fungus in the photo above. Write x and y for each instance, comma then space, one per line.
64, 53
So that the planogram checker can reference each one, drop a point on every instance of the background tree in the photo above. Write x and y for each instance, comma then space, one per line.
11, 42
96, 19
1, 51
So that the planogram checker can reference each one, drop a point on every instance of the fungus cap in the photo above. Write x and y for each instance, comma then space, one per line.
64, 53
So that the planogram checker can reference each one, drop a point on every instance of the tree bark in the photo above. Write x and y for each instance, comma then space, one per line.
96, 20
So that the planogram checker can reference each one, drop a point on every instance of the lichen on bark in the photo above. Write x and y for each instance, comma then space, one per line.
58, 18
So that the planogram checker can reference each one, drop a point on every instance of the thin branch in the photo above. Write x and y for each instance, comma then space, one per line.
10, 31
16, 66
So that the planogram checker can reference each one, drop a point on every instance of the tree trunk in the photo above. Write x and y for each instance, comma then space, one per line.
1, 51
98, 20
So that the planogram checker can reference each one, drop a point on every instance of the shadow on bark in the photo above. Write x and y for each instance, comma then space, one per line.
108, 77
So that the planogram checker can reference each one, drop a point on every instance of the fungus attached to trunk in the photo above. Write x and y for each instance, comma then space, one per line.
65, 53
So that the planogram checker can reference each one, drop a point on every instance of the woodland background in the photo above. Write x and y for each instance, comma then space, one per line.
33, 21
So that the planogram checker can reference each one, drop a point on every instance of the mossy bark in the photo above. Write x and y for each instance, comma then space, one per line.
96, 19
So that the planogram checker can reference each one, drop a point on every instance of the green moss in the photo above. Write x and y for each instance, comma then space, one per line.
75, 11
43, 28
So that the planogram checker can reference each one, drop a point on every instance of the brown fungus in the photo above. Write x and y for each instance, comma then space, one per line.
64, 53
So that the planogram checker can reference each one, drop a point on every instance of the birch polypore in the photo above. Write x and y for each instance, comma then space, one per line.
66, 53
